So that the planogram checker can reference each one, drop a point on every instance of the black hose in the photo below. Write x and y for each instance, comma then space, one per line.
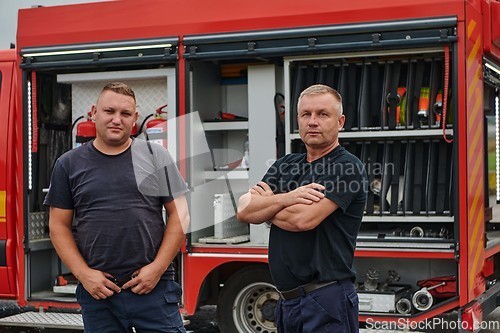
74, 123
71, 130
142, 124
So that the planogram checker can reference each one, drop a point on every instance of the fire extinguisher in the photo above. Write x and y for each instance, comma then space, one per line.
85, 131
156, 128
134, 131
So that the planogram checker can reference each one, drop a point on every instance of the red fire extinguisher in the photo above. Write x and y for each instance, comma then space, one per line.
156, 128
134, 131
85, 131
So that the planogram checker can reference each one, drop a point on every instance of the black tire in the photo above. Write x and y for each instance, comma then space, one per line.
247, 302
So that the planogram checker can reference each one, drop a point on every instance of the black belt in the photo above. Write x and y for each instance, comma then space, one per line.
304, 289
121, 282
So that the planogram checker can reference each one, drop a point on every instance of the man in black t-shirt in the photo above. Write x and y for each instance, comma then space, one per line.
121, 249
315, 202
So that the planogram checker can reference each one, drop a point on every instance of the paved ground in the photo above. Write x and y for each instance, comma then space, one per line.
203, 322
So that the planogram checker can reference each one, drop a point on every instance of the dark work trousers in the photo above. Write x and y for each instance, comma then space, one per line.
157, 311
331, 309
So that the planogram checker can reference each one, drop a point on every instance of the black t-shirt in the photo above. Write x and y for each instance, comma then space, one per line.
117, 202
326, 252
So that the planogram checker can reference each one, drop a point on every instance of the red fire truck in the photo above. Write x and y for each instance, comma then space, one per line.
420, 82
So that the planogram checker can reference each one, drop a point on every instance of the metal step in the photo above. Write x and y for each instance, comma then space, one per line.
45, 320
67, 321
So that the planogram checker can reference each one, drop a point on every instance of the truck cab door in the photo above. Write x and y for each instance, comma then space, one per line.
7, 239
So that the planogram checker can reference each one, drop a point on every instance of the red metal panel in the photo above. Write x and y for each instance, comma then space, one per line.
15, 179
123, 20
261, 250
475, 155
495, 26
197, 268
404, 254
5, 284
6, 70
7, 102
7, 55
461, 141
491, 27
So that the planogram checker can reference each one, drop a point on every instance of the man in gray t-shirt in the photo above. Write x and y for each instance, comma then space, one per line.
111, 191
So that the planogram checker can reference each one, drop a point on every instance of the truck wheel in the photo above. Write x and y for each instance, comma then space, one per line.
247, 302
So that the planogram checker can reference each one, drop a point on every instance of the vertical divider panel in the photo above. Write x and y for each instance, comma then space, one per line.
410, 87
403, 174
375, 92
395, 173
350, 102
297, 88
321, 74
432, 177
392, 99
337, 70
385, 90
419, 76
417, 198
402, 90
434, 87
342, 88
310, 77
371, 154
364, 97
409, 177
330, 77
386, 176
441, 188
448, 174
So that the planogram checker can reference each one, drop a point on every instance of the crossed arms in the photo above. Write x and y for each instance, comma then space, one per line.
299, 210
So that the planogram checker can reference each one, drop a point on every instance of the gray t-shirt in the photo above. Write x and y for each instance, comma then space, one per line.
117, 202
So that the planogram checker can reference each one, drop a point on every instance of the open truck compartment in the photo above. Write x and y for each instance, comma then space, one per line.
420, 87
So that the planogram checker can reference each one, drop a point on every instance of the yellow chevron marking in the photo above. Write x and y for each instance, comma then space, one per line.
474, 143
474, 82
475, 109
3, 205
475, 263
473, 52
475, 220
470, 28
475, 200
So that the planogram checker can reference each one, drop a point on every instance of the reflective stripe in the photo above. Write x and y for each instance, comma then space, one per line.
3, 205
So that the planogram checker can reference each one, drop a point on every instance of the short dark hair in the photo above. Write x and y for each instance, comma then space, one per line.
119, 88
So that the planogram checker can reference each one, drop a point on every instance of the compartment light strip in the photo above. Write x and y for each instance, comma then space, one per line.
497, 145
107, 49
30, 137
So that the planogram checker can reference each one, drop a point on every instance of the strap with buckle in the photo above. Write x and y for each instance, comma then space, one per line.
121, 282
304, 289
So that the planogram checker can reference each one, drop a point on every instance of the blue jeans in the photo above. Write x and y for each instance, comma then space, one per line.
331, 309
157, 311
